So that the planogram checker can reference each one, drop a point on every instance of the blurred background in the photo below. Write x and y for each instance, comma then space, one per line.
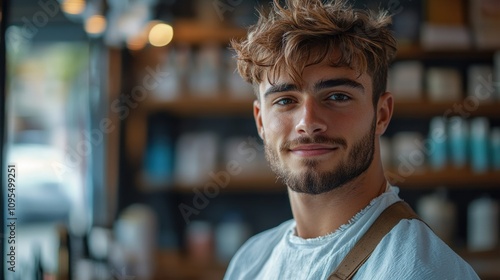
134, 148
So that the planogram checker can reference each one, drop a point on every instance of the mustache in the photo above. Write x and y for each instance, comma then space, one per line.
320, 139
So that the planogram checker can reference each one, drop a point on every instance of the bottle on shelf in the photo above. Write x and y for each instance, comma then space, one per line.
480, 83
495, 148
458, 135
496, 74
437, 139
230, 234
199, 241
482, 224
439, 213
479, 128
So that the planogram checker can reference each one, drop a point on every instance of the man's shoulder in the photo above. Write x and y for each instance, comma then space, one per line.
415, 240
411, 250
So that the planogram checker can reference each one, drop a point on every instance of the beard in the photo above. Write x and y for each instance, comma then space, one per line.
313, 181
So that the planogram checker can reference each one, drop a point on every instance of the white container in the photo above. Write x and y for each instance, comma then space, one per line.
204, 78
444, 84
440, 214
479, 131
196, 157
236, 86
135, 233
408, 152
169, 85
229, 236
482, 224
495, 148
480, 83
496, 74
199, 238
406, 79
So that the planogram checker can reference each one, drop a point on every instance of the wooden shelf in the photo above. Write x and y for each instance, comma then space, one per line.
487, 255
193, 32
242, 184
171, 264
419, 53
449, 178
419, 180
486, 264
199, 106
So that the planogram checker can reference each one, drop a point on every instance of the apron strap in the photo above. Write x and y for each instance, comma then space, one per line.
366, 245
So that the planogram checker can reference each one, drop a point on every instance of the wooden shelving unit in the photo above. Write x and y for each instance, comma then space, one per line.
172, 264
193, 32
421, 179
484, 263
241, 184
426, 178
418, 53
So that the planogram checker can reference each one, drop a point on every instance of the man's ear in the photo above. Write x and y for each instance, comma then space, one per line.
258, 118
385, 108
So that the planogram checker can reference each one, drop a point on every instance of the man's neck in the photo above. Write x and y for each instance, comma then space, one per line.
319, 215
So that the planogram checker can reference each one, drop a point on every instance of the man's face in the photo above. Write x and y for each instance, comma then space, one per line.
319, 134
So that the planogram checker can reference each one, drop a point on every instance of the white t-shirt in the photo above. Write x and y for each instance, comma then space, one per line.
409, 251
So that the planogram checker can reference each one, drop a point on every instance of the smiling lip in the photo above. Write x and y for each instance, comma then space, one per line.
312, 150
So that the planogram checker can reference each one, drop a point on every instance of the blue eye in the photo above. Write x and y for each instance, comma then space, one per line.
339, 97
284, 101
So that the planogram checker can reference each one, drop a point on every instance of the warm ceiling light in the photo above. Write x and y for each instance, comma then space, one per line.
161, 34
95, 24
73, 7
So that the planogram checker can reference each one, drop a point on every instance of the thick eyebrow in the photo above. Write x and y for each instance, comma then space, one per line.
324, 84
280, 88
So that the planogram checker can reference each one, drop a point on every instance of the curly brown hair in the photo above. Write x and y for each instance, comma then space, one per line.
305, 32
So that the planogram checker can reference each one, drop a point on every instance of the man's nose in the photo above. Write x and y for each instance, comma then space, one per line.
310, 121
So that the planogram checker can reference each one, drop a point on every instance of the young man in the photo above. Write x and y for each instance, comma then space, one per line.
320, 70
